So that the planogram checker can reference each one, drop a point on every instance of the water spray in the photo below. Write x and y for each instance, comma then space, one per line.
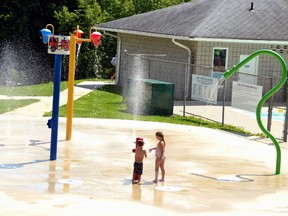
271, 92
95, 37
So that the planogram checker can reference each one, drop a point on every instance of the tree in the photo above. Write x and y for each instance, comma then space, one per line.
90, 12
142, 6
86, 15
22, 20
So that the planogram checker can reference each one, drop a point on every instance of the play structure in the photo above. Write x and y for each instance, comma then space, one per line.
275, 89
57, 45
76, 38
64, 45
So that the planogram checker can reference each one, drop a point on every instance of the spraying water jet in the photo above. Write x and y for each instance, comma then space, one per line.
76, 38
271, 92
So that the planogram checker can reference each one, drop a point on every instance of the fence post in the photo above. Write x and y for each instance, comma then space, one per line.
185, 91
224, 100
124, 84
286, 118
270, 106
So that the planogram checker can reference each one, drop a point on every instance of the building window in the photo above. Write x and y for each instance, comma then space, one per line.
219, 64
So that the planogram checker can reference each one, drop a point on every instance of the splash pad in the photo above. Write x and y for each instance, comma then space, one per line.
91, 171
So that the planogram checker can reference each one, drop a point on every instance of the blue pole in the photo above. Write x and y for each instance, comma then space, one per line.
55, 108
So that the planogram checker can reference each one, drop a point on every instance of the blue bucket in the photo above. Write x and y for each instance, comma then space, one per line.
45, 35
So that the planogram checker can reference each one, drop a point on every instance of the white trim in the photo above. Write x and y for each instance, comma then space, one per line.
144, 33
221, 40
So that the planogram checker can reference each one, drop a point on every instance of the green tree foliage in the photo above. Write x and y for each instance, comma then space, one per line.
22, 20
115, 9
86, 15
17, 28
142, 6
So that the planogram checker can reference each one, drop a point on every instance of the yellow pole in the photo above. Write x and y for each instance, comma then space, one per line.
71, 78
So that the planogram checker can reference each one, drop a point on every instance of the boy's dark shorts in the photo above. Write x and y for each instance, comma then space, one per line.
138, 168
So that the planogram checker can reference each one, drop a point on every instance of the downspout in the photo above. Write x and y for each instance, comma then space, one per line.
187, 71
119, 44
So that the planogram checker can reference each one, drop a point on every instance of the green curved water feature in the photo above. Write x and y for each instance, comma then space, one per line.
271, 92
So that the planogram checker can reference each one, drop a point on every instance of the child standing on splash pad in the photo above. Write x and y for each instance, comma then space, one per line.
160, 156
138, 164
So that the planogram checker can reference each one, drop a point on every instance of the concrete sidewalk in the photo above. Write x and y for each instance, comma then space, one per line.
45, 104
235, 117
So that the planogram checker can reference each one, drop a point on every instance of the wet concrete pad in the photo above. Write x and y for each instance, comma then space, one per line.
209, 172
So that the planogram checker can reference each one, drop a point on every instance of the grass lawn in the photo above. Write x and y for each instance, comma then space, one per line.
7, 105
108, 103
45, 89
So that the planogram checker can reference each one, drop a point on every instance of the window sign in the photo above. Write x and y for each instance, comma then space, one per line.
246, 96
204, 89
220, 56
248, 72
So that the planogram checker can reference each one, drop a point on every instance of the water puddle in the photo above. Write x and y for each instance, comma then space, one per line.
229, 179
72, 182
169, 188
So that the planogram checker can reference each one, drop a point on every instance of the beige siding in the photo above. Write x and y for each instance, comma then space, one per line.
154, 69
172, 67
266, 64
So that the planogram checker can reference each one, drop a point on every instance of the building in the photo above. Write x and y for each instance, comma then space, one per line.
211, 36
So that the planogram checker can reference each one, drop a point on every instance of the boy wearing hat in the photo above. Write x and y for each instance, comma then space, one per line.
138, 164
137, 139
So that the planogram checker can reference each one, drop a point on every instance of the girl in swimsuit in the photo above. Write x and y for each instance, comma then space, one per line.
160, 156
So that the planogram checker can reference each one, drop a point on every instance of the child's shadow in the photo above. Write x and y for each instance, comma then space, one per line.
127, 181
147, 183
